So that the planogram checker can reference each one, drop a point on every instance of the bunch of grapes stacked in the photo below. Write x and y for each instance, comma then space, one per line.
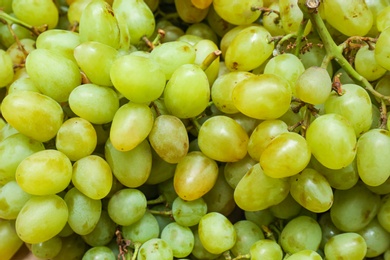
195, 129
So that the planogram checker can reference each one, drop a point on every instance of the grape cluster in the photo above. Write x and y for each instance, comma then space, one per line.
195, 129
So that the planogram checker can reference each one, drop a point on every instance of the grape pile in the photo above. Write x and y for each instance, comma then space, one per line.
195, 129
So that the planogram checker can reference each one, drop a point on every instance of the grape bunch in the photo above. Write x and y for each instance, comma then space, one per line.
195, 129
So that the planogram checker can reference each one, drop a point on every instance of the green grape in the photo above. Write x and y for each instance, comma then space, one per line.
355, 105
12, 200
383, 87
97, 104
247, 234
229, 36
127, 206
314, 85
98, 23
195, 175
172, 33
131, 120
169, 138
95, 60
353, 209
54, 74
22, 84
334, 151
62, 41
263, 135
260, 217
291, 16
257, 191
220, 198
301, 233
152, 4
203, 49
10, 241
346, 246
202, 30
6, 69
201, 4
41, 218
366, 64
286, 209
17, 55
42, 12
162, 219
382, 19
216, 233
7, 39
216, 23
73, 247
199, 251
76, 138
223, 139
187, 93
13, 150
384, 213
253, 39
222, 90
376, 237
341, 179
44, 172
381, 51
103, 233
382, 189
161, 170
155, 249
183, 52
143, 230
266, 249
66, 231
234, 171
139, 79
136, 16
131, 168
305, 255
179, 238
279, 160
84, 212
376, 8
287, 66
188, 12
264, 96
47, 249
188, 213
311, 190
372, 164
95, 186
75, 10
247, 123
315, 55
328, 228
99, 252
190, 39
272, 21
352, 18
35, 115
238, 12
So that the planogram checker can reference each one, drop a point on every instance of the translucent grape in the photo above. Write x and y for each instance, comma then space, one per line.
266, 249
238, 12
143, 230
188, 213
376, 237
47, 249
199, 251
247, 233
155, 249
384, 213
6, 69
47, 10
161, 170
12, 200
73, 246
103, 232
366, 64
10, 240
234, 171
346, 246
189, 12
286, 209
179, 238
99, 252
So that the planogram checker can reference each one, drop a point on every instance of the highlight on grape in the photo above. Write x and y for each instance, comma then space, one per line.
194, 129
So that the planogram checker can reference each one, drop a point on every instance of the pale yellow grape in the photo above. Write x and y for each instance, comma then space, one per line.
169, 138
98, 23
96, 104
195, 175
7, 131
139, 79
334, 151
291, 16
263, 134
271, 20
92, 176
131, 125
314, 85
234, 171
382, 53
55, 75
382, 19
155, 249
45, 172
246, 122
222, 90
311, 190
229, 36
183, 52
13, 150
202, 4
266, 249
366, 64
187, 93
376, 237
223, 139
6, 69
257, 191
41, 218
287, 66
351, 17
203, 49
346, 246
18, 56
131, 168
372, 163
75, 10
95, 60
179, 238
21, 84
253, 39
216, 23
279, 158
12, 199
306, 254
355, 105
188, 12
10, 241
37, 13
216, 233
76, 138
264, 96
238, 12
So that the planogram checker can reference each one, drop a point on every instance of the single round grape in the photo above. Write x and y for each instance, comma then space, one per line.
376, 237
247, 233
266, 249
99, 252
188, 213
381, 51
103, 232
366, 64
47, 249
12, 200
155, 249
179, 238
143, 230
199, 251
271, 20
346, 246
10, 241
47, 10
22, 84
238, 12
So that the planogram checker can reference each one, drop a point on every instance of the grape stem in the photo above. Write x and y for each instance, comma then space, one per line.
158, 200
383, 115
37, 30
210, 59
161, 212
